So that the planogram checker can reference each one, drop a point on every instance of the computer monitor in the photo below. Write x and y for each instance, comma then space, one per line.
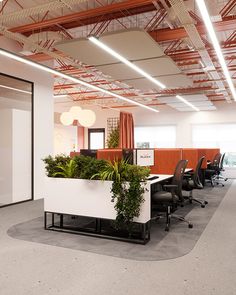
88, 153
145, 157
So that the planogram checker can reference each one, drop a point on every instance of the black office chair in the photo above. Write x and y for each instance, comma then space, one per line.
219, 177
213, 169
192, 181
171, 196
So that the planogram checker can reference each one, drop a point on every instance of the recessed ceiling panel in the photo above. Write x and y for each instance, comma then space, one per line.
85, 51
133, 44
158, 66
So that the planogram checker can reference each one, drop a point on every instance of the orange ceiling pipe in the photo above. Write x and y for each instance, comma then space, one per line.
227, 24
84, 16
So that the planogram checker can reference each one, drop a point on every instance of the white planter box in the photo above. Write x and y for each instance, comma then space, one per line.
87, 198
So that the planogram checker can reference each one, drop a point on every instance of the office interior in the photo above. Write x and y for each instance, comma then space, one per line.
149, 85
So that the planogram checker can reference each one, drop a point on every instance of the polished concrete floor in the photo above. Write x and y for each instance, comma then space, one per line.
39, 269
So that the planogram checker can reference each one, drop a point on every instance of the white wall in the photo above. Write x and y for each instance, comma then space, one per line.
65, 139
43, 112
225, 113
21, 155
101, 120
15, 156
5, 156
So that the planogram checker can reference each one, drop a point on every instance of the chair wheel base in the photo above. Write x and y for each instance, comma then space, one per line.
190, 225
205, 202
203, 206
167, 228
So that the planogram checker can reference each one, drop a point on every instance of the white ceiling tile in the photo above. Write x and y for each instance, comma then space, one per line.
142, 84
172, 81
207, 108
158, 66
195, 103
85, 51
195, 97
119, 71
176, 81
186, 109
133, 44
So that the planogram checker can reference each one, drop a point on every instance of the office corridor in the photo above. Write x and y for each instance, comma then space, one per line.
32, 269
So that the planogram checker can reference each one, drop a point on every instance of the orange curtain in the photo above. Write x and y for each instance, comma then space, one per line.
126, 139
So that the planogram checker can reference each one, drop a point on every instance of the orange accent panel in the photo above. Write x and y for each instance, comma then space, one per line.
165, 160
74, 154
210, 153
110, 154
80, 137
192, 156
201, 153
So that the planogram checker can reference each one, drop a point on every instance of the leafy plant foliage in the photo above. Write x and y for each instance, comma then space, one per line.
127, 181
127, 189
78, 167
113, 139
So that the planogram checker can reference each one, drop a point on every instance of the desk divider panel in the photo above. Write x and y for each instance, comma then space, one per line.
110, 154
165, 160
191, 155
201, 153
74, 154
210, 153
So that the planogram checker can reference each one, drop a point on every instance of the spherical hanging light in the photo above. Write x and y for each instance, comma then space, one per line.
75, 111
87, 118
66, 118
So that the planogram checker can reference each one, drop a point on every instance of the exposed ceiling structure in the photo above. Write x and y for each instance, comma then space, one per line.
166, 38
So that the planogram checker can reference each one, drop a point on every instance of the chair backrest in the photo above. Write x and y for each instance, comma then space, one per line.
196, 175
178, 177
216, 162
222, 162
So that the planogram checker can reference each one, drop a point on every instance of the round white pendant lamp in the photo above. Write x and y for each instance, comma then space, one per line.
66, 118
75, 111
87, 118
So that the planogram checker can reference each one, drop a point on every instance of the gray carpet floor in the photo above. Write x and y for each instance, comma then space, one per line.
179, 241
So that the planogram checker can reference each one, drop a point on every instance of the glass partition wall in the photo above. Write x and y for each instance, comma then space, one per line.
16, 138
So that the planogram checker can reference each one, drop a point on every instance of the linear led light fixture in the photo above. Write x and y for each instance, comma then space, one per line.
15, 89
125, 61
208, 24
60, 95
70, 78
187, 103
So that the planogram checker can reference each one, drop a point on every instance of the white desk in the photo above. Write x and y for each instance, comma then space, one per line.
161, 177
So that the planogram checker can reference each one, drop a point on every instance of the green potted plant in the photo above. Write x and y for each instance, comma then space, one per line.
113, 138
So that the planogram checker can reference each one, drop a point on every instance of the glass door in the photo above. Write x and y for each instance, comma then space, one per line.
16, 173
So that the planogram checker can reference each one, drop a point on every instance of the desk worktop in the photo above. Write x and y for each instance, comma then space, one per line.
161, 177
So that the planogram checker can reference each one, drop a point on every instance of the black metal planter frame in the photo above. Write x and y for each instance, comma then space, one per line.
98, 231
